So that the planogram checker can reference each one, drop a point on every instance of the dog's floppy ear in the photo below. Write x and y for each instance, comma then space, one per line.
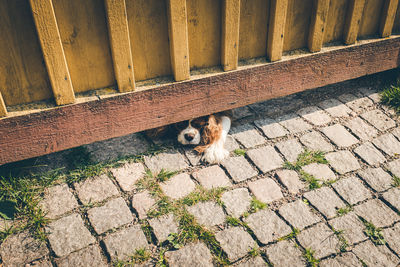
211, 133
157, 132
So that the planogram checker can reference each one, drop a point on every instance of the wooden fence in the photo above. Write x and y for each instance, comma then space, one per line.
56, 49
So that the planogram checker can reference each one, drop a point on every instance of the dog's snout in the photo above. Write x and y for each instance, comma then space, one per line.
189, 136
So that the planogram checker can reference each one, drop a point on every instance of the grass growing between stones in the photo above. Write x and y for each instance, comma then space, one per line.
391, 97
255, 205
140, 256
313, 183
254, 252
310, 258
343, 211
306, 158
374, 233
290, 236
396, 181
240, 152
343, 243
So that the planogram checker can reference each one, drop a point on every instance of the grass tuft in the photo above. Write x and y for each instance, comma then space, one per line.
313, 183
343, 243
374, 233
343, 211
254, 252
140, 256
290, 236
240, 152
305, 158
396, 181
391, 97
256, 205
233, 221
310, 258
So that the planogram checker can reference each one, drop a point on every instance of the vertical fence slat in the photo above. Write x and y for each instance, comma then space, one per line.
276, 29
3, 109
53, 52
354, 14
117, 21
388, 16
178, 38
230, 34
318, 23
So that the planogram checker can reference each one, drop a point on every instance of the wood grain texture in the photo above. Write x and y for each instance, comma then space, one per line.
253, 28
3, 109
61, 128
84, 35
24, 75
336, 20
387, 18
396, 26
120, 44
179, 40
276, 30
353, 20
371, 18
53, 52
230, 34
318, 24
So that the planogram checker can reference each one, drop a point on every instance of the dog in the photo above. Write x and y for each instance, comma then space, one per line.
208, 135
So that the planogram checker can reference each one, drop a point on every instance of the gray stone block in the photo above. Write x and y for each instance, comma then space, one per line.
320, 171
247, 135
335, 108
388, 144
392, 237
378, 119
298, 214
196, 254
347, 259
394, 167
163, 226
393, 197
235, 242
375, 255
236, 201
239, 168
370, 154
89, 256
265, 158
293, 123
376, 178
178, 186
377, 213
285, 253
342, 161
212, 177
339, 135
352, 227
314, 115
142, 202
361, 129
315, 142
171, 161
128, 174
96, 189
271, 128
325, 200
290, 179
352, 190
265, 190
252, 262
291, 149
356, 103
207, 213
58, 200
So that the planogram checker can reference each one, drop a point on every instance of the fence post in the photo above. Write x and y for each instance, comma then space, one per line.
388, 16
354, 14
53, 52
3, 109
117, 21
318, 23
276, 29
230, 34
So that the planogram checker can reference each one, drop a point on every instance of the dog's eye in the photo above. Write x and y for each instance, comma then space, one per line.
198, 123
182, 125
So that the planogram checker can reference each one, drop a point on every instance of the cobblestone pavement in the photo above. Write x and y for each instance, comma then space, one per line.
349, 218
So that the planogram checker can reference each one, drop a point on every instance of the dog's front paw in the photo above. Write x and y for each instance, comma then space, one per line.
215, 154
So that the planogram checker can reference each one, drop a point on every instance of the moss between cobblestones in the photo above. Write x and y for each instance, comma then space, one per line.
140, 256
396, 181
290, 236
343, 243
310, 258
373, 232
343, 211
240, 152
255, 205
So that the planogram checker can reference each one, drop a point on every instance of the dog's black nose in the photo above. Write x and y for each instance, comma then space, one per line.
189, 137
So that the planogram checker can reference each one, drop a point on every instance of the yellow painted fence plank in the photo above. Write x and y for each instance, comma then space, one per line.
354, 14
3, 109
388, 16
230, 34
53, 52
120, 44
276, 29
179, 40
319, 18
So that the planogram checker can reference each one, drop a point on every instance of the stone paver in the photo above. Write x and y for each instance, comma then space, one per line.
96, 189
298, 214
122, 244
235, 241
293, 123
339, 135
230, 143
290, 149
392, 237
252, 262
265, 158
325, 200
193, 156
352, 190
378, 119
320, 171
128, 175
68, 234
142, 202
265, 190
207, 213
393, 197
375, 255
377, 213
356, 103
347, 259
394, 167
352, 227
89, 256
171, 161
239, 168
22, 248
370, 154
267, 226
314, 141
212, 177
335, 108
343, 161
376, 178
271, 128
196, 254
388, 144
236, 201
113, 214
247, 135
396, 132
290, 179
285, 253
361, 129
178, 186
319, 238
371, 93
314, 115
57, 201
163, 226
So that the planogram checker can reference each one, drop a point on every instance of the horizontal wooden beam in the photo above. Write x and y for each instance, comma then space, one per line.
65, 127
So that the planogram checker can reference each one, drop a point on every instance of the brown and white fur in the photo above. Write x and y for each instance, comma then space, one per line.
207, 133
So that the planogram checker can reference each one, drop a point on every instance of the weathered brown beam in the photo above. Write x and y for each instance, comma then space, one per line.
179, 40
117, 21
388, 16
276, 30
3, 109
53, 52
353, 20
65, 127
318, 23
230, 34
